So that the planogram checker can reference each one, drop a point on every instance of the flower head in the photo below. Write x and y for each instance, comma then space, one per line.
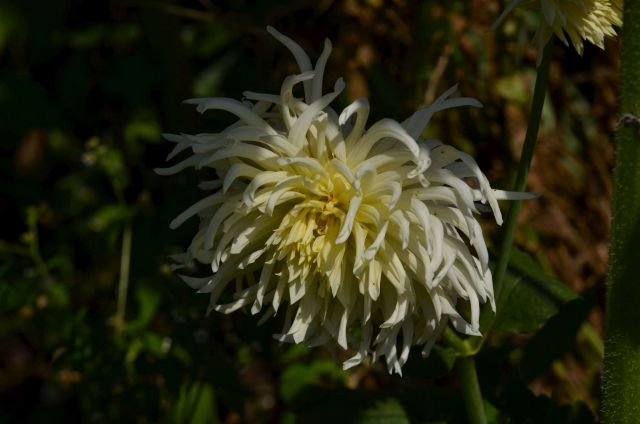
575, 21
362, 236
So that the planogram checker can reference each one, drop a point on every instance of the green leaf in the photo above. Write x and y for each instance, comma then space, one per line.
339, 405
386, 411
109, 216
59, 295
293, 352
439, 363
13, 294
10, 22
491, 412
515, 87
531, 296
424, 404
148, 303
521, 405
196, 404
212, 77
142, 128
556, 337
298, 377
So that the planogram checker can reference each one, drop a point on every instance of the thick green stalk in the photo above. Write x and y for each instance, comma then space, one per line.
621, 389
535, 116
471, 394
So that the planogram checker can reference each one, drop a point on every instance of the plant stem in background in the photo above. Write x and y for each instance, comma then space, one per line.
34, 251
471, 394
621, 397
511, 222
535, 116
509, 229
462, 346
123, 285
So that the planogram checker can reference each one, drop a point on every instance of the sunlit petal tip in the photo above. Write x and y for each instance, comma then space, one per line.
474, 102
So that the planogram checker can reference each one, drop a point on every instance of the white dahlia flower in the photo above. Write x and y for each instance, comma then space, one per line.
363, 236
579, 20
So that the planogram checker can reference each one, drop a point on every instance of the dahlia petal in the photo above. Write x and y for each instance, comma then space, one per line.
236, 171
316, 86
192, 161
233, 106
417, 122
207, 202
221, 214
347, 225
245, 299
378, 131
301, 126
287, 101
301, 57
360, 107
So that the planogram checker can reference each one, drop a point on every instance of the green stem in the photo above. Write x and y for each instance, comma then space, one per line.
509, 229
14, 249
462, 346
621, 388
535, 116
471, 394
36, 257
123, 284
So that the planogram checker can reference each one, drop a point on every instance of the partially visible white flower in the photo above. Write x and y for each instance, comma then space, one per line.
574, 21
362, 236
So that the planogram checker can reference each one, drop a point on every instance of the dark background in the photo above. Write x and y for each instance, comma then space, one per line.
87, 88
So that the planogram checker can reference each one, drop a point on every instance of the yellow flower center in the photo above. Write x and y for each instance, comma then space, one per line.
311, 226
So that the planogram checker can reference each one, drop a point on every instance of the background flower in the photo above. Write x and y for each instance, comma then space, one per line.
363, 236
574, 21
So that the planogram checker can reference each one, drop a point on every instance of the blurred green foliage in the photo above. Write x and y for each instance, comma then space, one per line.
87, 88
